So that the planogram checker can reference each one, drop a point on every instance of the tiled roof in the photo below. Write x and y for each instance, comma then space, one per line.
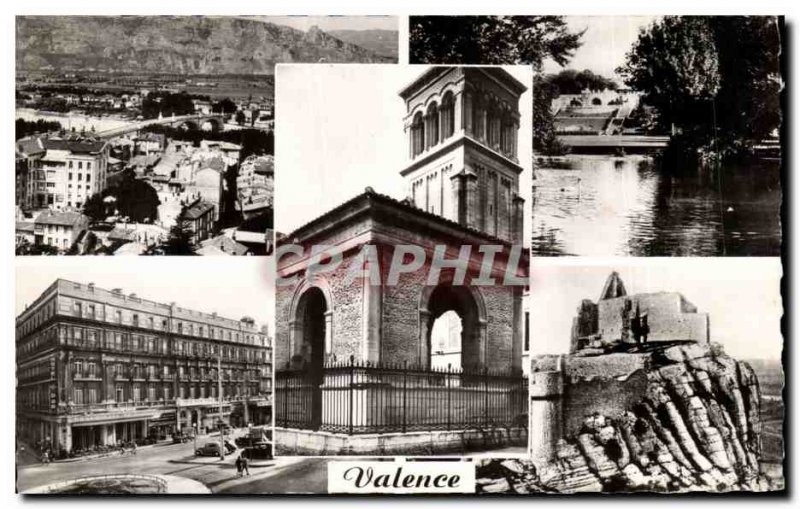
197, 209
225, 244
65, 218
25, 226
370, 194
74, 146
30, 146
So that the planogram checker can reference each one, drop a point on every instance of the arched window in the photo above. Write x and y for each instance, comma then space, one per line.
448, 116
478, 118
417, 135
432, 125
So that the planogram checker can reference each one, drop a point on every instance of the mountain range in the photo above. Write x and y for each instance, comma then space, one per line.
175, 44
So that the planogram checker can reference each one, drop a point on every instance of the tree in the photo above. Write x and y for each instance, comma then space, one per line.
716, 79
544, 133
571, 81
95, 207
25, 128
225, 106
179, 241
491, 40
134, 198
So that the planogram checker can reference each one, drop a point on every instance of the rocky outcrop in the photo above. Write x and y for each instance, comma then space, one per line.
697, 427
180, 44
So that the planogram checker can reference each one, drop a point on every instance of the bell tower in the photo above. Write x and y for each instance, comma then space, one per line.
462, 127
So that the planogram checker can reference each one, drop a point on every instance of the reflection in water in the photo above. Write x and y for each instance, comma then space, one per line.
625, 206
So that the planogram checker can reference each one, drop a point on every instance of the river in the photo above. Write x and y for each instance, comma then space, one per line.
77, 121
626, 206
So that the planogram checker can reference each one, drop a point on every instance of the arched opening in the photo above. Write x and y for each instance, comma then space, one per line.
311, 322
447, 113
454, 327
417, 135
432, 125
213, 125
446, 341
189, 125
597, 102
575, 103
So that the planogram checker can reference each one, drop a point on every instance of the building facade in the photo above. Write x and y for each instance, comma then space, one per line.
64, 173
462, 126
95, 367
338, 334
60, 229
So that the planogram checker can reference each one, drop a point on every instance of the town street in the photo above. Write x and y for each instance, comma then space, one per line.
282, 475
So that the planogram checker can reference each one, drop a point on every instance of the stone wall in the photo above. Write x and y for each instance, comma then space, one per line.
694, 425
670, 317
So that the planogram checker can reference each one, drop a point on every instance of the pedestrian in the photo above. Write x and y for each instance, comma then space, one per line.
245, 465
238, 466
133, 448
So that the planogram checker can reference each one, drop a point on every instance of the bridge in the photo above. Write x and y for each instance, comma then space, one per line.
602, 143
196, 121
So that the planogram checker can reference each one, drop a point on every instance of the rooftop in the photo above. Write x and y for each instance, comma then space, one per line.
64, 218
197, 209
224, 245
75, 146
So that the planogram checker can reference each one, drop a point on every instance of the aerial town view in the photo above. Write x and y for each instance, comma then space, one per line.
164, 144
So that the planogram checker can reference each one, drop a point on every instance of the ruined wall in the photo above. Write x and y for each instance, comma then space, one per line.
604, 384
670, 317
695, 426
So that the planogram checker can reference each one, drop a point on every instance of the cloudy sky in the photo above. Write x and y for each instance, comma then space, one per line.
741, 296
341, 129
606, 41
233, 286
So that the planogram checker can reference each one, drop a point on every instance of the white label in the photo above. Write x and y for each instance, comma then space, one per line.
401, 477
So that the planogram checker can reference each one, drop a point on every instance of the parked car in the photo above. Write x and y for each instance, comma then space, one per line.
182, 437
209, 449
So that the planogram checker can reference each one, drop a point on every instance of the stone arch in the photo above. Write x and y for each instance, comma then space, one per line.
217, 124
310, 323
596, 101
189, 125
469, 304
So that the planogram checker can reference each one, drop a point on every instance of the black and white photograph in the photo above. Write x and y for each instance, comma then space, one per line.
663, 376
383, 350
154, 135
529, 253
129, 384
653, 135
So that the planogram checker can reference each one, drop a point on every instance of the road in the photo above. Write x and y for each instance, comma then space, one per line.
282, 475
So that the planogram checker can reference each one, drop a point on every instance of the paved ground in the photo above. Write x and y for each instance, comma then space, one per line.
279, 476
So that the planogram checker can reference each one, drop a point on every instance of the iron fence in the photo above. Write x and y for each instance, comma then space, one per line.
356, 398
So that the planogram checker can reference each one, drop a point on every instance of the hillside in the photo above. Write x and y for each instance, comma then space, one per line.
380, 42
173, 44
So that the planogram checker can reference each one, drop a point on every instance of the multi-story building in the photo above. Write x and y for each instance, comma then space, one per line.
64, 173
59, 229
96, 366
198, 218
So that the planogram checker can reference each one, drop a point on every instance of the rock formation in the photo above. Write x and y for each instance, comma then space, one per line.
697, 427
181, 44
